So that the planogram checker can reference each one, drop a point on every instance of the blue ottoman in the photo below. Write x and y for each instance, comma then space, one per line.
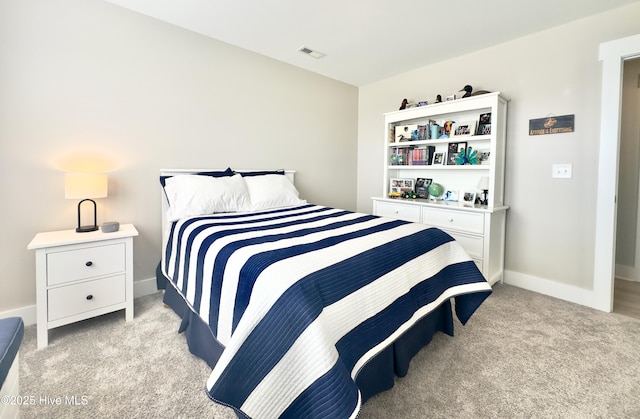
11, 334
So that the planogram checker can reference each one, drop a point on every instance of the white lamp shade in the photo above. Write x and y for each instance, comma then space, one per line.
85, 185
483, 184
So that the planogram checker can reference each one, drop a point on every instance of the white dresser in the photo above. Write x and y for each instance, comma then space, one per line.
82, 275
479, 230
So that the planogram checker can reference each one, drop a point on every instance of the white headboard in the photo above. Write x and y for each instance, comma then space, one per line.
290, 174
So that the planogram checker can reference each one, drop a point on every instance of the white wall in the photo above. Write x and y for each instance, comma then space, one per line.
86, 83
551, 223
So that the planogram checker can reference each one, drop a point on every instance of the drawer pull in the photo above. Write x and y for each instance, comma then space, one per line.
450, 219
89, 263
89, 297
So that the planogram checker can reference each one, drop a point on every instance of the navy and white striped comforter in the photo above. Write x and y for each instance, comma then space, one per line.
301, 298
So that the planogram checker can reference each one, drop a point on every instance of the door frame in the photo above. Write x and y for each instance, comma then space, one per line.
612, 54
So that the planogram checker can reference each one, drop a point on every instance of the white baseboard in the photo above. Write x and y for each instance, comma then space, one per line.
627, 272
554, 289
28, 313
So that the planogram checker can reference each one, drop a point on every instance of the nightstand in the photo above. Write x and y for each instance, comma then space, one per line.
82, 275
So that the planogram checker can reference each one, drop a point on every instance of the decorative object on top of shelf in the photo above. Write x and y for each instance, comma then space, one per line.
436, 190
483, 185
423, 103
464, 128
468, 89
404, 104
450, 98
438, 99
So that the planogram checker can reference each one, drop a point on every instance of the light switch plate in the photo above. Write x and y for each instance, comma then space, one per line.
562, 171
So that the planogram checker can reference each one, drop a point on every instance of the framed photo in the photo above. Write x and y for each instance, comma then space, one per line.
422, 187
454, 150
484, 129
406, 133
464, 128
451, 195
401, 185
438, 158
483, 156
468, 198
485, 118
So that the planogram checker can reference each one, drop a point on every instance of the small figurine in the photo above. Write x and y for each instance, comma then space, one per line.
468, 91
404, 104
438, 98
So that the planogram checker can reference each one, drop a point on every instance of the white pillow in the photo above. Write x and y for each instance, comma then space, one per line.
271, 191
191, 195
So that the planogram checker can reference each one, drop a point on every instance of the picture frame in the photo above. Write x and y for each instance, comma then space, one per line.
453, 150
463, 129
422, 187
439, 158
404, 133
484, 129
484, 124
401, 185
469, 198
484, 118
484, 156
451, 195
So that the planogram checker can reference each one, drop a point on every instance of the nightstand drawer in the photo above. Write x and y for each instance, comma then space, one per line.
86, 296
88, 262
399, 211
454, 220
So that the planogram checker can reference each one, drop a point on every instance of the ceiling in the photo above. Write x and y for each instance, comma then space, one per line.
367, 40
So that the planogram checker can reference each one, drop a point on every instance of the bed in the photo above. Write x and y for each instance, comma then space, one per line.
303, 310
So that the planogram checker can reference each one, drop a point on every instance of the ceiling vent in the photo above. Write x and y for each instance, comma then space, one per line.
311, 53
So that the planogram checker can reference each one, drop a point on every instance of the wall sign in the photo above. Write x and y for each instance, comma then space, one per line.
552, 125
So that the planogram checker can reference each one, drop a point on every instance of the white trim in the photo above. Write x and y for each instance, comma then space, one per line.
612, 55
28, 313
551, 288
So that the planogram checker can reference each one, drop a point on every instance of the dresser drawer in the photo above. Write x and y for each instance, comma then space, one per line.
89, 262
399, 211
454, 220
85, 296
473, 245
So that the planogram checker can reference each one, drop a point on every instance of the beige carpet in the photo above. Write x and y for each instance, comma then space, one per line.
522, 355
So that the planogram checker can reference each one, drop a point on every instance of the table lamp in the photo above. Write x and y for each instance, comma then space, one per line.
85, 186
483, 185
